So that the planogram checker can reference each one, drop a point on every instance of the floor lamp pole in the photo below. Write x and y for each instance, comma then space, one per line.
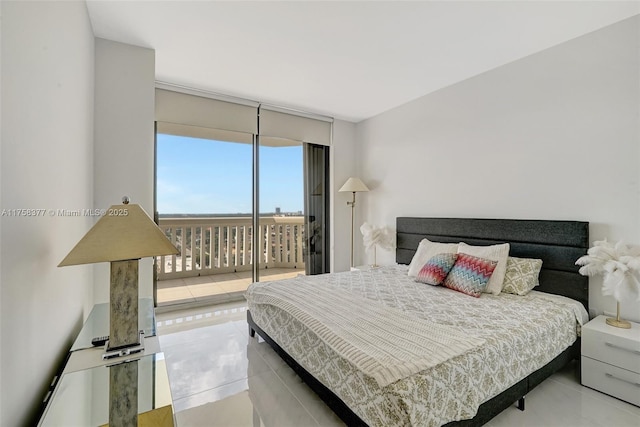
352, 203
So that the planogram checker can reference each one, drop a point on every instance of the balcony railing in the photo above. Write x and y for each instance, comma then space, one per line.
224, 245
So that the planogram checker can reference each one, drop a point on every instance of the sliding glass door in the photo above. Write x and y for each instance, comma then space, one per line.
281, 207
241, 191
204, 193
204, 205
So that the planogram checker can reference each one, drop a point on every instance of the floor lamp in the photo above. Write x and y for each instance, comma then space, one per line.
353, 185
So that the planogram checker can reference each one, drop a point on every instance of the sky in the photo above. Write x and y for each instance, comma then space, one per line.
204, 176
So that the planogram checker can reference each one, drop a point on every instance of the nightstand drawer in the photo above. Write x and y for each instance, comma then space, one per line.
612, 349
611, 380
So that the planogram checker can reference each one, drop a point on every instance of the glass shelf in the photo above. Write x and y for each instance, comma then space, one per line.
82, 397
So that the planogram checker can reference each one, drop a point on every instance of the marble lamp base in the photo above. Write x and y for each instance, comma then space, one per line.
124, 334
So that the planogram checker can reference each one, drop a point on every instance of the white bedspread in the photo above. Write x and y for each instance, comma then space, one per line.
520, 333
383, 342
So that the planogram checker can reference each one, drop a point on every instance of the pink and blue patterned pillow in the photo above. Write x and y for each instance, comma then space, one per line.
470, 274
436, 269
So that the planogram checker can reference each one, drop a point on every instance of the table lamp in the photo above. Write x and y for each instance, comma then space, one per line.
373, 236
620, 266
354, 185
123, 235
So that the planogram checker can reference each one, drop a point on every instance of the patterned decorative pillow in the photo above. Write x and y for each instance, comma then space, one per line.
436, 269
522, 275
498, 253
470, 274
427, 249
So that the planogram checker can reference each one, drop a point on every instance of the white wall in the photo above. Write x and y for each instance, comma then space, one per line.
552, 136
46, 163
124, 134
342, 165
1, 235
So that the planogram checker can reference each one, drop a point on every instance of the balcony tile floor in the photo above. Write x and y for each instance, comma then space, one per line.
216, 287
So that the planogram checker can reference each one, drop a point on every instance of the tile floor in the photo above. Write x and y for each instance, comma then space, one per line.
215, 288
221, 377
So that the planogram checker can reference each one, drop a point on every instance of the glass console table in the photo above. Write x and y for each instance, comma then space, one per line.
90, 387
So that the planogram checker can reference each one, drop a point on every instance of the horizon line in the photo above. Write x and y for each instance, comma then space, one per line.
238, 214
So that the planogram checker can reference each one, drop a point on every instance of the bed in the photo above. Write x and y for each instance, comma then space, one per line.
364, 399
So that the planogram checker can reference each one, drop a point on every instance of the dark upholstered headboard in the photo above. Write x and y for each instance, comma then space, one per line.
557, 243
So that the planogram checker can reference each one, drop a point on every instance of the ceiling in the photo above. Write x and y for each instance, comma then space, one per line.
349, 60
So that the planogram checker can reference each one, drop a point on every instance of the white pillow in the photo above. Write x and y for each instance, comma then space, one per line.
426, 250
498, 253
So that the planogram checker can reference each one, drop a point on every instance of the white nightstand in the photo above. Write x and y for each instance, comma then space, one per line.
611, 359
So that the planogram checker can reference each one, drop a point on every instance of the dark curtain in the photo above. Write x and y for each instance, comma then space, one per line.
316, 208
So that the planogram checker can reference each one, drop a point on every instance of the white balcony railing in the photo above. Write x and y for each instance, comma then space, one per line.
224, 245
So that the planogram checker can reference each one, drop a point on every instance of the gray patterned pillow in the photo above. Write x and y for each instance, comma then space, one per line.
521, 276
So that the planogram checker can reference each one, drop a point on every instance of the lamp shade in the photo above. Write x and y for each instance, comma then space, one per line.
354, 184
125, 232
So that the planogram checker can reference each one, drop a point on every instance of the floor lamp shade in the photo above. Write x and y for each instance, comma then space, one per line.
123, 235
353, 185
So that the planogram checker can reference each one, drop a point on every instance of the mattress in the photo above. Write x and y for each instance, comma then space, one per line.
520, 334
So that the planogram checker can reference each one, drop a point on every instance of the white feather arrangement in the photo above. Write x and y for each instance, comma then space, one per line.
377, 236
620, 266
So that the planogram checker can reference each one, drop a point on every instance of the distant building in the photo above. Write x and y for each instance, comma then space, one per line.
277, 211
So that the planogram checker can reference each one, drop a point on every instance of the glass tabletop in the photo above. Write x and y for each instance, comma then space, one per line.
97, 324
